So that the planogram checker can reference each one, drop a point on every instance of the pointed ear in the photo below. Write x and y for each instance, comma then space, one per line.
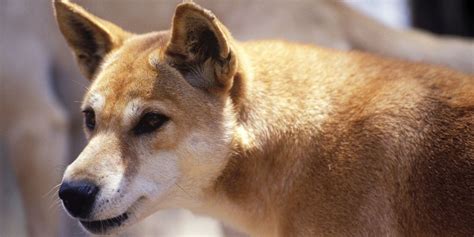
90, 37
201, 48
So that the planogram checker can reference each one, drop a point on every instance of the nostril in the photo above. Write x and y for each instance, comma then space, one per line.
78, 197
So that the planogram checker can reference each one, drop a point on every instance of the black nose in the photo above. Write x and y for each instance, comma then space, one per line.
78, 197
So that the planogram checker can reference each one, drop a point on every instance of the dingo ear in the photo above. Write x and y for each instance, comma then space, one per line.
201, 48
90, 37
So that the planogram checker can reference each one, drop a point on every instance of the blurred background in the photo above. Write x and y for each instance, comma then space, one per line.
41, 87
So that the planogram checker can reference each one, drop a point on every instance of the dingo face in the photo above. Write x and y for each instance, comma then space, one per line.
157, 116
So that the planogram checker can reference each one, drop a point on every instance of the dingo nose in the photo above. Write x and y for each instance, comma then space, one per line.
78, 197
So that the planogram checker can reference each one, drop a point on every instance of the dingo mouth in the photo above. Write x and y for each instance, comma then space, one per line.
102, 226
106, 226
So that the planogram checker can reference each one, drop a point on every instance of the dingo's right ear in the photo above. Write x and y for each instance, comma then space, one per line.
201, 46
90, 37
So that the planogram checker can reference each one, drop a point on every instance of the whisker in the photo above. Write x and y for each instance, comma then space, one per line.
55, 187
54, 195
182, 189
84, 86
54, 204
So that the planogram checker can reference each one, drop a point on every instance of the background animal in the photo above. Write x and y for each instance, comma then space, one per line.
41, 128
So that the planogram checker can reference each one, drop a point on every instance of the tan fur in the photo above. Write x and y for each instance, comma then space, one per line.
35, 129
291, 140
363, 169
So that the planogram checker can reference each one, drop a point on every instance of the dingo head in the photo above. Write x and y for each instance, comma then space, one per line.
158, 115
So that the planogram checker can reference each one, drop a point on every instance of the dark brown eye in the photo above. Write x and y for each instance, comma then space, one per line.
89, 118
149, 123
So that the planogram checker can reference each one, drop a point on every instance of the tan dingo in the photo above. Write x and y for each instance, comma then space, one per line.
275, 138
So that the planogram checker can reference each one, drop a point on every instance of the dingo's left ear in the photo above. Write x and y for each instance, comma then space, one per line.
201, 48
90, 37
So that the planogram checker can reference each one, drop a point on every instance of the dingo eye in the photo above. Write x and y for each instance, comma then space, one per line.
149, 123
89, 118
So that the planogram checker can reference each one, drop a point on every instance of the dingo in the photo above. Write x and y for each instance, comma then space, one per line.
275, 138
